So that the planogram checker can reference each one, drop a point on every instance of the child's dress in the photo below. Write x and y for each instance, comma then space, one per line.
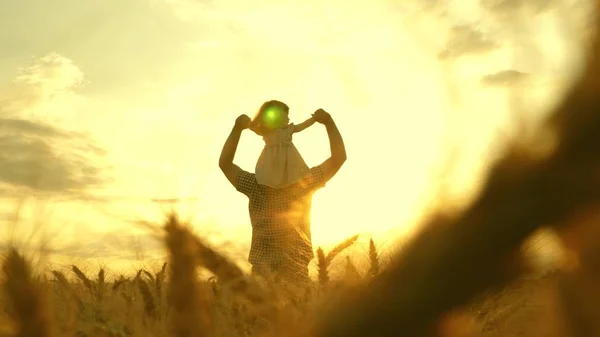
280, 164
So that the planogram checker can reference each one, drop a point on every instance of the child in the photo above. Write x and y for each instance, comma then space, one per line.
280, 164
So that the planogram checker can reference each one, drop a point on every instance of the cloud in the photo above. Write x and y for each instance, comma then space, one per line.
36, 151
511, 6
505, 77
33, 162
465, 39
45, 90
50, 74
24, 126
191, 10
501, 5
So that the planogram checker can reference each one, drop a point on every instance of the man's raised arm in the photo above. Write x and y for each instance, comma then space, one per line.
338, 151
228, 152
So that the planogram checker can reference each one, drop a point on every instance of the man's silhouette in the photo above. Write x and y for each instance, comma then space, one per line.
280, 218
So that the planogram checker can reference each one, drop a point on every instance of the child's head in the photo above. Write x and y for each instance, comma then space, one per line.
272, 115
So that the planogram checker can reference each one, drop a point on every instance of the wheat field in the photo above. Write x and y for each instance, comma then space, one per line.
463, 274
176, 301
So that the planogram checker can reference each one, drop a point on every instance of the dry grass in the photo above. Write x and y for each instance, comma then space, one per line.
462, 275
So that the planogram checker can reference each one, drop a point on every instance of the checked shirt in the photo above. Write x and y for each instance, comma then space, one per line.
280, 219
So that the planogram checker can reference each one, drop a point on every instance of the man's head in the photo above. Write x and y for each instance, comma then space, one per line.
271, 115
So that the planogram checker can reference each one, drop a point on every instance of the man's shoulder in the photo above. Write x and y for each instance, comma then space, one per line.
242, 174
314, 179
245, 182
316, 172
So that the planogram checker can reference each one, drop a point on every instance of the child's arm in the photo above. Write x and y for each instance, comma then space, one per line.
254, 128
304, 125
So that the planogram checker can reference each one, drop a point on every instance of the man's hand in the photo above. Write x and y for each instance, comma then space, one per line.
338, 151
322, 116
228, 152
242, 122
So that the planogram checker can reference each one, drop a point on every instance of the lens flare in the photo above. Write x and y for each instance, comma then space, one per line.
273, 117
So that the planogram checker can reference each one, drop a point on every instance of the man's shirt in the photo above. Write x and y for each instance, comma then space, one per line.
280, 218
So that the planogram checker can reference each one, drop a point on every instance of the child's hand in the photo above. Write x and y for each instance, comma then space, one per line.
253, 126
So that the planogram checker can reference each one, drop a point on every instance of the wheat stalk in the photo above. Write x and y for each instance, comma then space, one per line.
340, 247
323, 265
191, 317
84, 279
62, 280
373, 259
230, 274
324, 261
149, 304
101, 284
158, 284
351, 274
149, 275
28, 302
160, 279
117, 284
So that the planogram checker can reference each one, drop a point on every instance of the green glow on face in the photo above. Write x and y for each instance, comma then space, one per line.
273, 117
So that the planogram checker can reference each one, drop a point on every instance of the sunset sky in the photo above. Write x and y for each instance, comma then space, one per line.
108, 104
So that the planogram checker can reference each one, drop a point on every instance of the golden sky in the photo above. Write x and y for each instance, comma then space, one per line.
105, 105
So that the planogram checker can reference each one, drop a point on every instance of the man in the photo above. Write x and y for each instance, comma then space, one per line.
280, 218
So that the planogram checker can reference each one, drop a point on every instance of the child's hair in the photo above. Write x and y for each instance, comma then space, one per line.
269, 116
